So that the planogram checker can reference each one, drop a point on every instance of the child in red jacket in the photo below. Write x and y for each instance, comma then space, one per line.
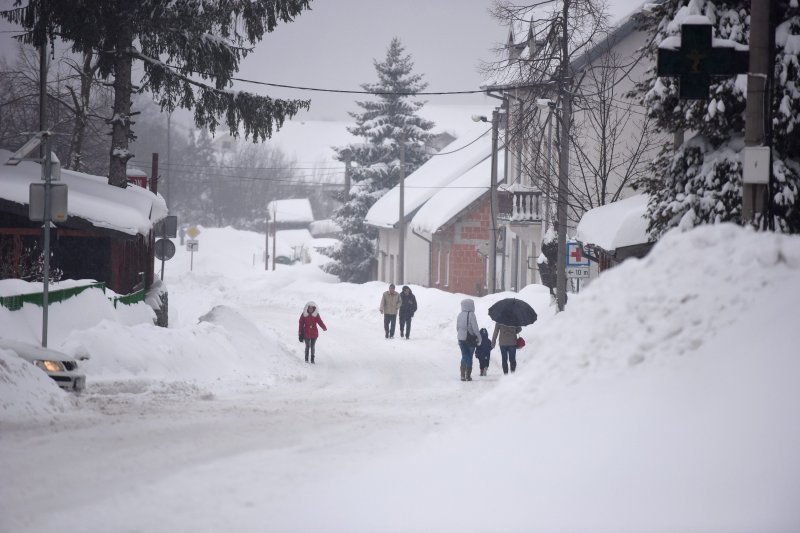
308, 328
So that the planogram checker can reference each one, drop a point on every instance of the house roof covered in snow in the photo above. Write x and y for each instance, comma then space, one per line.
293, 210
132, 210
439, 171
451, 200
615, 225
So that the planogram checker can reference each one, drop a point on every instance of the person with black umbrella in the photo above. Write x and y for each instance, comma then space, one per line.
510, 314
508, 344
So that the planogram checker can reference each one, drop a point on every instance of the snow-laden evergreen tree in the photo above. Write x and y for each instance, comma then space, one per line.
384, 122
189, 49
700, 182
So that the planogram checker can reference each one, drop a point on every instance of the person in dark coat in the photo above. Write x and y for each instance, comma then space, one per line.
308, 333
408, 306
484, 351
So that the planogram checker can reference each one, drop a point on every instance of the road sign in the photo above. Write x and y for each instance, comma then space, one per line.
58, 202
575, 256
193, 232
165, 249
166, 227
192, 245
578, 272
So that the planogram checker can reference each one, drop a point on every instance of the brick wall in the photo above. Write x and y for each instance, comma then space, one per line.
464, 271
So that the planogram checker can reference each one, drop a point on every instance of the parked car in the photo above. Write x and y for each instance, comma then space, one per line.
59, 366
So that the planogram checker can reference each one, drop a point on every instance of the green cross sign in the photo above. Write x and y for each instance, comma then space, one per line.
696, 61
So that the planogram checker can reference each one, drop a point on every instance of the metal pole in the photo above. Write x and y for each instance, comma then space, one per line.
754, 194
274, 232
45, 157
266, 242
549, 169
563, 162
493, 206
401, 263
168, 198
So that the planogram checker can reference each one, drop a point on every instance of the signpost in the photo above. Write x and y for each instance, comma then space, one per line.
577, 262
192, 246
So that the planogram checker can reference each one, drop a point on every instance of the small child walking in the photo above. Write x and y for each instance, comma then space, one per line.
308, 328
484, 351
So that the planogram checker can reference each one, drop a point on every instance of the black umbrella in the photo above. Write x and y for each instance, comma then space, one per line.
512, 312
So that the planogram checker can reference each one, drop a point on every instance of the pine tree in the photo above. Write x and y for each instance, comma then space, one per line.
700, 182
384, 123
189, 49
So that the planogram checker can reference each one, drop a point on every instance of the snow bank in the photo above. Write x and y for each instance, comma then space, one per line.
28, 394
663, 399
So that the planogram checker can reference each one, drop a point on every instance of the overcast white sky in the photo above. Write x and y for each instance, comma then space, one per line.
334, 45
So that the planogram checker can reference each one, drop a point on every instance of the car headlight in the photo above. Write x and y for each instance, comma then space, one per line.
50, 366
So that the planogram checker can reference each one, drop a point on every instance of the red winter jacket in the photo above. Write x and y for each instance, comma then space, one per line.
309, 321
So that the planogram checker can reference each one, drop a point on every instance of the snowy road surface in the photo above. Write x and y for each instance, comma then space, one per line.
653, 404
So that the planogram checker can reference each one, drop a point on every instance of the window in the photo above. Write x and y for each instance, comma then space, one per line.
439, 266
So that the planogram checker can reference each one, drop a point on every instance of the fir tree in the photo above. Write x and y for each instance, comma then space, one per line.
189, 49
384, 123
700, 182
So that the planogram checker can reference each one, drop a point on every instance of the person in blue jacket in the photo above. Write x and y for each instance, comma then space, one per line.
484, 351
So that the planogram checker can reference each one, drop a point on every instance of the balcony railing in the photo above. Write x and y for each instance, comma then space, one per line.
520, 206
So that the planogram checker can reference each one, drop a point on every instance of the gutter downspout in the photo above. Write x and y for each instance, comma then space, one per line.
430, 255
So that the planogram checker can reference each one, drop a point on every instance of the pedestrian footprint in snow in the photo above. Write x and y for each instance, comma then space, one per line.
309, 320
484, 351
408, 306
469, 336
390, 303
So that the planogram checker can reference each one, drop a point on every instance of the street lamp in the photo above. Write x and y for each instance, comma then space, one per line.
547, 104
495, 121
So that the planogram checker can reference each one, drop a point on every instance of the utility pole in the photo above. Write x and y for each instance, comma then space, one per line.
757, 154
274, 231
401, 256
266, 243
46, 171
347, 169
168, 199
493, 205
563, 162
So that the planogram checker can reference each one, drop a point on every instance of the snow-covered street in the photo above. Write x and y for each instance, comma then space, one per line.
664, 399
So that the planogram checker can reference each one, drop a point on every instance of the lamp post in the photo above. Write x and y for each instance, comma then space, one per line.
492, 198
550, 106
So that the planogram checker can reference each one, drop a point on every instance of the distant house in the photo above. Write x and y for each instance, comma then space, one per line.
435, 176
456, 222
107, 236
614, 232
293, 213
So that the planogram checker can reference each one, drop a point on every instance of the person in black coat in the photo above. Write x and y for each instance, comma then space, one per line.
484, 351
408, 306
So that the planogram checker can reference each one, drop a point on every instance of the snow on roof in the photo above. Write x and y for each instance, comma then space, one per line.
131, 210
294, 210
615, 225
437, 172
451, 200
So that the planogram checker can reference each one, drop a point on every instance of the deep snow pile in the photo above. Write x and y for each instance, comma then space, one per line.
664, 399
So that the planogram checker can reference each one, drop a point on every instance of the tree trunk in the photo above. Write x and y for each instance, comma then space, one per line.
81, 112
121, 121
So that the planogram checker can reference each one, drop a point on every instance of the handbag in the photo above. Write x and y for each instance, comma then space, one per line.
520, 342
472, 339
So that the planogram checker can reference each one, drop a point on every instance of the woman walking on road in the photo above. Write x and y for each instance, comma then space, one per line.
508, 344
408, 306
469, 336
309, 320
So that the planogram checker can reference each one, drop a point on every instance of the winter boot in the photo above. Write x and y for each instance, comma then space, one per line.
469, 373
463, 373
